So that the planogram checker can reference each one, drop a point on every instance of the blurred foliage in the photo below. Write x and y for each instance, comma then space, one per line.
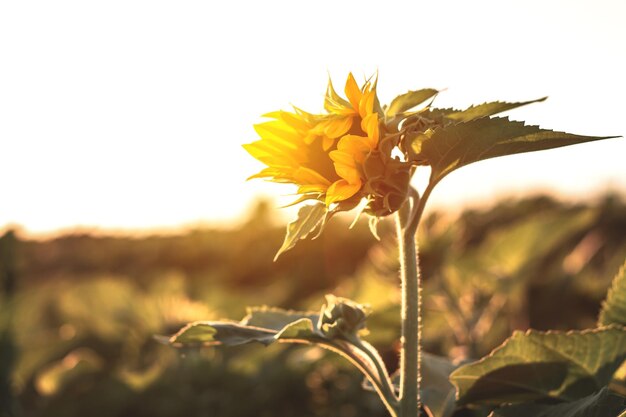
79, 313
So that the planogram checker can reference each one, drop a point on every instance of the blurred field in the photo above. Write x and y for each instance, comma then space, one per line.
79, 312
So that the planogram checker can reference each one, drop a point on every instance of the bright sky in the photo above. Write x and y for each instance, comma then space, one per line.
131, 114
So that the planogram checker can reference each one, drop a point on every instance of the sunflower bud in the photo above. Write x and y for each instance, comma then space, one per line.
342, 318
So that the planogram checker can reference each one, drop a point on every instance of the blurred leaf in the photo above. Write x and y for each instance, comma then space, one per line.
301, 329
487, 109
335, 328
275, 318
539, 365
603, 404
309, 218
451, 147
74, 365
221, 333
437, 392
614, 307
409, 100
516, 248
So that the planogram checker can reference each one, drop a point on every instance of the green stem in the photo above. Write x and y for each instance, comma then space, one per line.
386, 386
408, 220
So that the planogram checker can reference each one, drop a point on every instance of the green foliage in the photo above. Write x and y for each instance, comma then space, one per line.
310, 217
602, 404
87, 307
486, 109
614, 307
450, 147
407, 101
437, 392
537, 365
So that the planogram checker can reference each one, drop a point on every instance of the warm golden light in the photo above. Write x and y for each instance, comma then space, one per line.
132, 115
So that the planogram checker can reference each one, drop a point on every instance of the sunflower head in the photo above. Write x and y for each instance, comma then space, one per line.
338, 157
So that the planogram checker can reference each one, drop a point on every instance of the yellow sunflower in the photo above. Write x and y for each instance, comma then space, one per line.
322, 154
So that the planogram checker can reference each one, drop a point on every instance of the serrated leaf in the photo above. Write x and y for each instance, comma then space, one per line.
602, 404
302, 329
274, 318
614, 307
207, 333
539, 365
409, 100
267, 325
487, 109
451, 147
309, 218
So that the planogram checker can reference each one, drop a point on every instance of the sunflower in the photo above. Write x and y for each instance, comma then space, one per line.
323, 154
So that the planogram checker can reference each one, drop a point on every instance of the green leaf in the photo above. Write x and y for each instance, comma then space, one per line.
409, 100
207, 333
335, 328
302, 329
487, 109
451, 147
614, 307
309, 218
437, 392
275, 318
603, 404
540, 365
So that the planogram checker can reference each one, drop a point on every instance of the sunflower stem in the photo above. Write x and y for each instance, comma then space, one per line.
407, 221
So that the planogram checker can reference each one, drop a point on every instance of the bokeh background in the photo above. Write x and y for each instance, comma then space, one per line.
124, 210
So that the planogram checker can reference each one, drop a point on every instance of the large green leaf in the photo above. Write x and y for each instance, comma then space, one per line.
309, 218
539, 365
336, 328
409, 100
487, 109
614, 307
602, 404
451, 147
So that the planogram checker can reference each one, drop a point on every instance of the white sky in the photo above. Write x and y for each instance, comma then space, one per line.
131, 114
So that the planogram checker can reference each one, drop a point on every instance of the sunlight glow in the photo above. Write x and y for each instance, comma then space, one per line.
132, 114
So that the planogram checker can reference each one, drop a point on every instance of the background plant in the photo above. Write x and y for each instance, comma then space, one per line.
75, 356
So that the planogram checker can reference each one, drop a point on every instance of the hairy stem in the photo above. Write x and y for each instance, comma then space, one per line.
407, 221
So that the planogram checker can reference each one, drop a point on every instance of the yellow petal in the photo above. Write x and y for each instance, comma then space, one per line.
366, 105
341, 190
337, 126
295, 121
308, 176
353, 92
348, 173
273, 114
312, 188
327, 143
259, 150
341, 157
370, 126
278, 131
354, 144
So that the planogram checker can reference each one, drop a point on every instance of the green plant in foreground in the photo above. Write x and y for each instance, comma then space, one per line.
359, 153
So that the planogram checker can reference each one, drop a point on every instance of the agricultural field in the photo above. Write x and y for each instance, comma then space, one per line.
83, 316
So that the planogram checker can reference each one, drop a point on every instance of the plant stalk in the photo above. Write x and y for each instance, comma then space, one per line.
407, 221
